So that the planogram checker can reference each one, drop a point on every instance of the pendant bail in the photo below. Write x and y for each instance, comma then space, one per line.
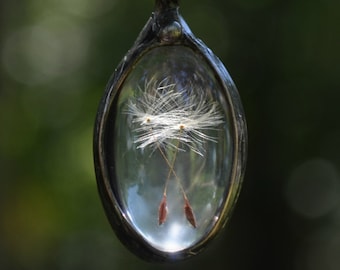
166, 21
161, 5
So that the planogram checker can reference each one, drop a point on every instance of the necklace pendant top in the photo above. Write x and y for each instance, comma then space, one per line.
170, 142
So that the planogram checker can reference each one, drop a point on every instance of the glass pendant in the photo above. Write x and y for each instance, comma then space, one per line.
169, 142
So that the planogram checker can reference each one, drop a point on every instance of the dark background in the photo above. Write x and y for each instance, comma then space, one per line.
55, 59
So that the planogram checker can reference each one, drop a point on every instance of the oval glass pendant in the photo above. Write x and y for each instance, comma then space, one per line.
170, 142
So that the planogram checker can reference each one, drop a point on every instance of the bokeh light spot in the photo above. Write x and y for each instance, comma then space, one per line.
47, 50
87, 8
313, 188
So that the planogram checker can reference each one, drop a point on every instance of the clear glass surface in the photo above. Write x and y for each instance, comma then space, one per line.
172, 148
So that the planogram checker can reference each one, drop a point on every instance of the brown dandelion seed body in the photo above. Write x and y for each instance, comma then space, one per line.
163, 211
189, 214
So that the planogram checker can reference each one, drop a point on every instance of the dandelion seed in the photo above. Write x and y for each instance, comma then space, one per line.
167, 118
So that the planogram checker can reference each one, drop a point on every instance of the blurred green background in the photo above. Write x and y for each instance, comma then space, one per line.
56, 57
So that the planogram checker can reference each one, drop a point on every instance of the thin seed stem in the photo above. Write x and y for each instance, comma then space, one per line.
187, 207
171, 171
